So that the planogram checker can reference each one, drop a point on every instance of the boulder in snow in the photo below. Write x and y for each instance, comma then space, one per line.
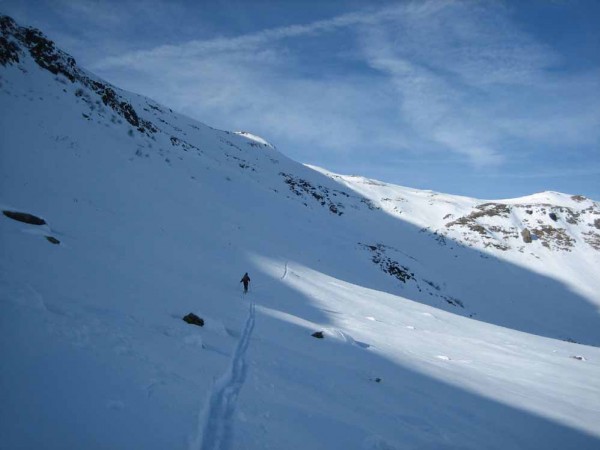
52, 240
24, 217
193, 319
318, 335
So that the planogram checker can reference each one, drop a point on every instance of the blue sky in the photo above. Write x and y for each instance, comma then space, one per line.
487, 99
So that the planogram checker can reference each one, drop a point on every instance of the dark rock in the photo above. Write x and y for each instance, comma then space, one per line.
483, 210
9, 52
579, 358
553, 216
193, 319
321, 194
47, 56
573, 218
369, 204
529, 211
597, 223
453, 301
41, 49
318, 335
387, 264
54, 60
593, 239
526, 234
53, 240
554, 238
24, 217
433, 285
377, 380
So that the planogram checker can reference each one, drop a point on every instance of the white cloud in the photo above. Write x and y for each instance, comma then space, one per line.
469, 79
434, 75
248, 42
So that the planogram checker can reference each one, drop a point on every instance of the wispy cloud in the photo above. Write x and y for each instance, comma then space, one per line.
432, 76
254, 81
547, 173
248, 42
462, 73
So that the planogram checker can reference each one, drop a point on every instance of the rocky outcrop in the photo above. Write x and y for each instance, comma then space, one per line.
483, 210
554, 238
592, 238
492, 225
193, 319
474, 223
388, 265
15, 39
321, 194
429, 289
24, 217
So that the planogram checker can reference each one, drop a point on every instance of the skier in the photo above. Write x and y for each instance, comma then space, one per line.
246, 281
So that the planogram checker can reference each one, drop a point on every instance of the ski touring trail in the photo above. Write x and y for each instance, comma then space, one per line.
285, 271
215, 430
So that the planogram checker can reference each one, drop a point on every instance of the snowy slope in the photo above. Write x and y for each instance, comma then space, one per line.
432, 339
551, 234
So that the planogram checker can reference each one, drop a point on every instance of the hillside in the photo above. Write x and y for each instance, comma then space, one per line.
445, 324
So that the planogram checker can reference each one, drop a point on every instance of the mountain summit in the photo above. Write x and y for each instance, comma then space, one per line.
445, 321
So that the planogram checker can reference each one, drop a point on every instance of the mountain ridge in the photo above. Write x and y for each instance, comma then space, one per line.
161, 215
500, 229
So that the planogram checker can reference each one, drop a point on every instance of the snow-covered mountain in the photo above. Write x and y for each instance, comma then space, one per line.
448, 322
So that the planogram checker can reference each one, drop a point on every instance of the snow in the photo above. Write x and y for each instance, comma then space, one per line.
216, 423
95, 354
254, 138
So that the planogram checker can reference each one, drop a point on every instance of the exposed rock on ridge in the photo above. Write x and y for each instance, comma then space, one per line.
16, 39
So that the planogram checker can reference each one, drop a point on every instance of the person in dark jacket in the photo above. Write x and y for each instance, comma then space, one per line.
246, 281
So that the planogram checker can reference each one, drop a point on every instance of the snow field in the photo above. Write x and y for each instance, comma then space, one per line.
95, 354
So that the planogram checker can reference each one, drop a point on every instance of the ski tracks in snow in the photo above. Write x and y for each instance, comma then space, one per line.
216, 423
